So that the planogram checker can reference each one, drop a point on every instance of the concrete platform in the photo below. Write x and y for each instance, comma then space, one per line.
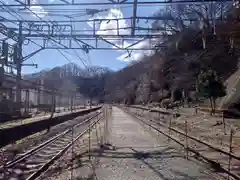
12, 134
40, 117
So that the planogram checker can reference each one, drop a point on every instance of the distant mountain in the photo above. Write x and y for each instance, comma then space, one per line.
69, 70
95, 71
67, 77
35, 75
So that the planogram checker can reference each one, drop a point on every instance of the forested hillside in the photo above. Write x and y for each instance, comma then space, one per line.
200, 45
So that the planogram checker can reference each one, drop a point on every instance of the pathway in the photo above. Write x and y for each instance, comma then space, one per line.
136, 154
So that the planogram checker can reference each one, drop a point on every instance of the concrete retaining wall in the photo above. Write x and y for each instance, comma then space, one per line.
13, 134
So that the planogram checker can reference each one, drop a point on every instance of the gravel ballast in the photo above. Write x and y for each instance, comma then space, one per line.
137, 155
133, 152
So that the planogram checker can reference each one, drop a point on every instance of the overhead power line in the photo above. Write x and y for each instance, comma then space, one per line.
117, 3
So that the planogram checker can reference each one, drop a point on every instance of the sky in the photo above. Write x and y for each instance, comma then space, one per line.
113, 59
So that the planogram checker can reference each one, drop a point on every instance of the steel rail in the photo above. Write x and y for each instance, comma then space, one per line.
196, 139
44, 144
188, 148
58, 155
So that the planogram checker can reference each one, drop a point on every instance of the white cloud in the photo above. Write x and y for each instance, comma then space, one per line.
114, 24
137, 55
103, 29
109, 27
38, 10
90, 23
134, 57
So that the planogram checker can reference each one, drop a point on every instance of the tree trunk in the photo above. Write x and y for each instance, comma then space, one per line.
214, 106
211, 103
172, 95
197, 89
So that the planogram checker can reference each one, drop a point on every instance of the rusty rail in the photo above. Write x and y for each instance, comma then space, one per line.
215, 164
196, 139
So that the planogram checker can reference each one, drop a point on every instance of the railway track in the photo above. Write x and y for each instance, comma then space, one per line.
34, 162
195, 148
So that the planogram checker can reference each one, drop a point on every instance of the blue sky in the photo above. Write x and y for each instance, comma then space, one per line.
112, 59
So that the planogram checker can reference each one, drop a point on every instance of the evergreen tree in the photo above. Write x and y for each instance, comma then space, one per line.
211, 87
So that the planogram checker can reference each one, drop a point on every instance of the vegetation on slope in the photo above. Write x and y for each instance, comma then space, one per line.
172, 72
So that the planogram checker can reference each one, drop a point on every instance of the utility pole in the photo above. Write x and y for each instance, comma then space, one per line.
134, 17
71, 103
18, 60
19, 65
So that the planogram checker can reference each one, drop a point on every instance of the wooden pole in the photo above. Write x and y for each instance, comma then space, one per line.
169, 128
186, 139
230, 151
71, 104
89, 140
105, 125
71, 175
96, 126
100, 132
224, 124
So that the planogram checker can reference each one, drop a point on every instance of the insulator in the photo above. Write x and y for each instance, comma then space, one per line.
204, 42
177, 43
214, 27
231, 42
5, 51
15, 54
85, 48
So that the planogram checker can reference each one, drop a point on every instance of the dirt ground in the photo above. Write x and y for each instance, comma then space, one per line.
205, 127
135, 154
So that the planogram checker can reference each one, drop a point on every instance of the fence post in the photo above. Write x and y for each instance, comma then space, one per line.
101, 132
105, 125
186, 139
150, 120
89, 140
11, 100
224, 124
169, 129
38, 99
71, 103
96, 126
109, 124
26, 103
230, 151
53, 103
71, 175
